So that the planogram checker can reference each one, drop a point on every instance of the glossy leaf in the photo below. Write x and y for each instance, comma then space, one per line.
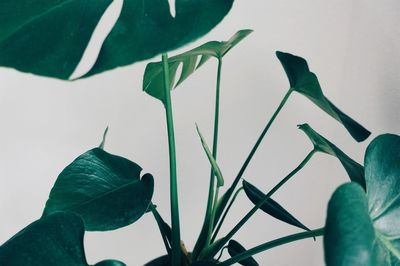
270, 206
56, 239
234, 248
321, 144
153, 79
49, 37
110, 263
214, 165
306, 83
106, 190
364, 228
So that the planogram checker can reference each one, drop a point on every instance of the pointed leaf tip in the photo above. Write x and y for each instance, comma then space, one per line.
305, 82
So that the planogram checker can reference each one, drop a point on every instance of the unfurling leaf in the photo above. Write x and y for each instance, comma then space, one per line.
214, 165
270, 206
306, 83
234, 248
49, 37
153, 79
106, 190
363, 228
56, 239
321, 144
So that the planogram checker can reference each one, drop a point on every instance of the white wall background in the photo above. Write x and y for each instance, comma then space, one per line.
352, 45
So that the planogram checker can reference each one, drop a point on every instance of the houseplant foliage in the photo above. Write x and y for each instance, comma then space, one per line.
100, 191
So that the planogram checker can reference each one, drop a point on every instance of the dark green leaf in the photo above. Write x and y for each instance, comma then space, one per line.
214, 165
321, 144
106, 190
56, 239
110, 263
49, 37
270, 206
364, 229
306, 83
153, 79
234, 248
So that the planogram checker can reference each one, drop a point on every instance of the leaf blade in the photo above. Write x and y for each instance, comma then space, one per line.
235, 248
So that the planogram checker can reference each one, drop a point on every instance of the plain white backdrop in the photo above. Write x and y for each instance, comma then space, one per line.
352, 46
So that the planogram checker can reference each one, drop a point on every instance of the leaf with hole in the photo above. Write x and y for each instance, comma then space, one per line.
50, 37
153, 78
105, 189
306, 83
235, 248
363, 228
56, 239
270, 206
321, 144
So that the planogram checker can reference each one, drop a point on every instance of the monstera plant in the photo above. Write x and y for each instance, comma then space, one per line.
100, 191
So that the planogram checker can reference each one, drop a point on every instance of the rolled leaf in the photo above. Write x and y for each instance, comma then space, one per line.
363, 229
153, 79
305, 82
106, 190
321, 144
235, 248
56, 239
270, 206
49, 37
214, 165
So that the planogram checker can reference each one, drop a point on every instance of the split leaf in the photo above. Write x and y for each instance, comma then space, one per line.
105, 189
50, 37
363, 229
306, 83
153, 79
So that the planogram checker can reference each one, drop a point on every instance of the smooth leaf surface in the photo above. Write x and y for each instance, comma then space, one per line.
48, 37
56, 239
364, 228
153, 79
110, 263
270, 206
235, 248
106, 190
214, 165
306, 83
321, 144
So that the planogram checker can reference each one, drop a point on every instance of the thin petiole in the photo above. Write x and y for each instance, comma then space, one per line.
176, 239
272, 244
225, 213
231, 189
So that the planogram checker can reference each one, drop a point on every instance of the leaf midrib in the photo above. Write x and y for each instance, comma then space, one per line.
387, 244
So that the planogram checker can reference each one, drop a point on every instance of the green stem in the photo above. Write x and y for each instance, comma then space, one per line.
207, 227
176, 239
272, 244
161, 225
231, 189
225, 213
261, 202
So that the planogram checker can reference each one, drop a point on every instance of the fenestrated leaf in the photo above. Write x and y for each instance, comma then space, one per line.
363, 229
306, 83
234, 248
56, 239
321, 144
214, 165
270, 206
106, 190
49, 37
153, 79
